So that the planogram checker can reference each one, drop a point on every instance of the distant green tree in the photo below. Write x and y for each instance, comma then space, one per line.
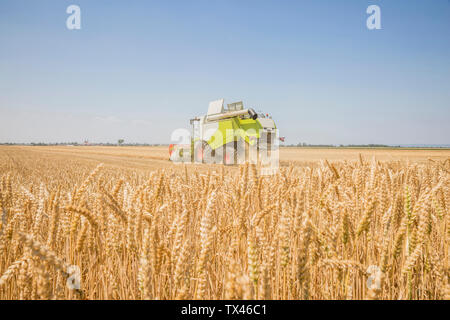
120, 141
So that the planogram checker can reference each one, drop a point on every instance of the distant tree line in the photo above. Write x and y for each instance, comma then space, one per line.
81, 144
307, 145
121, 142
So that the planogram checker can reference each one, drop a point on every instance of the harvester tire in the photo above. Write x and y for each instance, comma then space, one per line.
229, 153
203, 152
208, 153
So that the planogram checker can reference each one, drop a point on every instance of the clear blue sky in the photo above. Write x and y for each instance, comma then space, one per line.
139, 69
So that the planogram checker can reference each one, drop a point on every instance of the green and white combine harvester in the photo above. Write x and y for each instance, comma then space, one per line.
229, 136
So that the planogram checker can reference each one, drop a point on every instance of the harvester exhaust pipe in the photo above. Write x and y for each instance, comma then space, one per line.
232, 114
252, 114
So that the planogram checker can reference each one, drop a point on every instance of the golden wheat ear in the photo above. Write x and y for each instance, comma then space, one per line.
348, 228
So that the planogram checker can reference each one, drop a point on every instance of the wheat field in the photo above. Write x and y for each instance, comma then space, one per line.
353, 228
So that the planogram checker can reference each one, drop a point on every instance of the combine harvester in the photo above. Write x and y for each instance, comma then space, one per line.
229, 136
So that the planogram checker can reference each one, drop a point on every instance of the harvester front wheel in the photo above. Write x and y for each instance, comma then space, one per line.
230, 153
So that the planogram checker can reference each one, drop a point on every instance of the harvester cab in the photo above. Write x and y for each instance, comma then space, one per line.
229, 136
